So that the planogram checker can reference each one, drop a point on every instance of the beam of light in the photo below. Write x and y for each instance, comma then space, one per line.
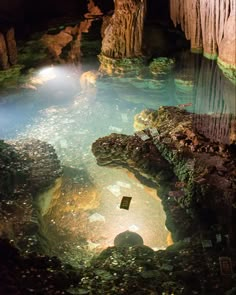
47, 72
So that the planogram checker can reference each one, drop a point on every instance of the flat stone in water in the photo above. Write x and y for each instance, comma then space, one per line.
114, 189
96, 217
123, 184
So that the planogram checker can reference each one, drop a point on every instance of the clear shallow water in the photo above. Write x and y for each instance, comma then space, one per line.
59, 112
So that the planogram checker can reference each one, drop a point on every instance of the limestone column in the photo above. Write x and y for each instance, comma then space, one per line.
123, 35
3, 53
8, 50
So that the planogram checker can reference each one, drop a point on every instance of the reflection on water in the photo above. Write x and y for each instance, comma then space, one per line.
71, 117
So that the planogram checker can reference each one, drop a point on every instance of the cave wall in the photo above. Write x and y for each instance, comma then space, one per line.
11, 10
209, 25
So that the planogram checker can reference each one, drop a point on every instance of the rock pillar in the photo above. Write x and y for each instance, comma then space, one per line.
122, 41
123, 36
8, 50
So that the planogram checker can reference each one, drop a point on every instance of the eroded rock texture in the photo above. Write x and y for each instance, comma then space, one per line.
8, 50
123, 35
134, 153
209, 25
65, 46
26, 168
202, 188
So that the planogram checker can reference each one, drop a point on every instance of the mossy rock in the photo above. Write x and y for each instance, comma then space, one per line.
121, 66
228, 70
11, 77
161, 65
32, 54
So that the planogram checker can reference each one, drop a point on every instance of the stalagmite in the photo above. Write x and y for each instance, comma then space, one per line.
11, 46
209, 25
8, 50
123, 36
3, 53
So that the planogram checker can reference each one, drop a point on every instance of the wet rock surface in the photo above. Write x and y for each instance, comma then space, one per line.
184, 268
204, 187
189, 266
27, 168
32, 274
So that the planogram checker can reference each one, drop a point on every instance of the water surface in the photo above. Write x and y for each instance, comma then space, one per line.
70, 117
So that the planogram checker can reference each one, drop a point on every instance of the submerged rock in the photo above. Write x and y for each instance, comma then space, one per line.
161, 66
128, 239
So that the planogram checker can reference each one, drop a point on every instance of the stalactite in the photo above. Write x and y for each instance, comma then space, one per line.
209, 25
218, 101
184, 78
200, 82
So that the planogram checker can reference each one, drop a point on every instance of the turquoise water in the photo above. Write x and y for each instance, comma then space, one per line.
56, 107
114, 101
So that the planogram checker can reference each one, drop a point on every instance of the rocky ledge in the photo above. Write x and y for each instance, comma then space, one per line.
194, 177
27, 167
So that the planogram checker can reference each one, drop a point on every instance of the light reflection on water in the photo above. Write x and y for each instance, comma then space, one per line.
60, 113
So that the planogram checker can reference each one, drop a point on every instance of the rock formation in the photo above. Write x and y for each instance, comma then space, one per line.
209, 25
133, 153
123, 36
65, 46
8, 50
221, 102
194, 178
26, 168
193, 78
130, 270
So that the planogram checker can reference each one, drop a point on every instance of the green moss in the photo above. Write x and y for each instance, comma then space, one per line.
228, 70
120, 66
161, 65
196, 50
11, 77
212, 56
32, 53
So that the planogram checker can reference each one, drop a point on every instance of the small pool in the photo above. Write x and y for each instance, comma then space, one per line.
59, 111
